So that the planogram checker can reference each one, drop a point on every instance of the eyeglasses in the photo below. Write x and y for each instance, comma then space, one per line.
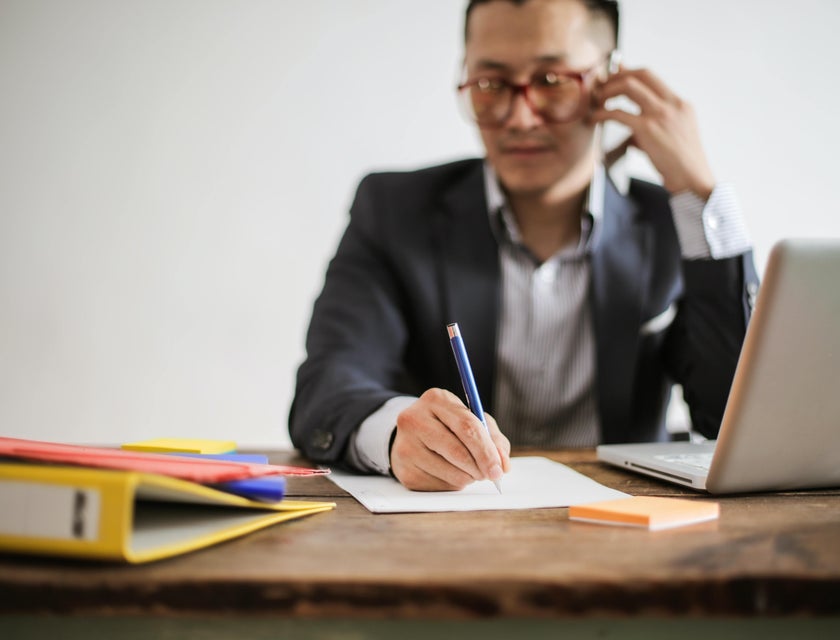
556, 96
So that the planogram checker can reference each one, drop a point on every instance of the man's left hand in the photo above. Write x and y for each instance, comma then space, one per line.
665, 129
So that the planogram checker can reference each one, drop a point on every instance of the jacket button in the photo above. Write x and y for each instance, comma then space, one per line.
322, 439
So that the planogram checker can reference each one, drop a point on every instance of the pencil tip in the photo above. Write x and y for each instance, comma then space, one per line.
498, 484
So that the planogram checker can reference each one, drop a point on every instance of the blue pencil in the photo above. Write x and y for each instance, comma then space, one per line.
467, 379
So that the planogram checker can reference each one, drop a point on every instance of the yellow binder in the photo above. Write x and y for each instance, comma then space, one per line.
124, 515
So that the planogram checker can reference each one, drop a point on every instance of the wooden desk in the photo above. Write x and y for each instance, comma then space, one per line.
768, 555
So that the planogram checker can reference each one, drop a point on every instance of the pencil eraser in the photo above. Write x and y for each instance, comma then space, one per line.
181, 445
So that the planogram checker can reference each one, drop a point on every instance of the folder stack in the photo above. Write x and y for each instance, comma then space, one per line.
133, 505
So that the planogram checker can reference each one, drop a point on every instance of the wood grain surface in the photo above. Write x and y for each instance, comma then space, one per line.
768, 554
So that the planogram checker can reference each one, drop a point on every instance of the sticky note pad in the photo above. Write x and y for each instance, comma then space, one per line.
182, 445
649, 512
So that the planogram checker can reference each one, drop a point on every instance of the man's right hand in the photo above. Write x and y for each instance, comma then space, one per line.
441, 446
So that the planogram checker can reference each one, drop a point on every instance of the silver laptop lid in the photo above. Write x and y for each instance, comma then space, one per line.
781, 427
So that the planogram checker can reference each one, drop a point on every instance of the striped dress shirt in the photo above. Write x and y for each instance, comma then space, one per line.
544, 391
545, 355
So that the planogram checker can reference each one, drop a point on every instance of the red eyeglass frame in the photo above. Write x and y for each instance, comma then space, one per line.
523, 88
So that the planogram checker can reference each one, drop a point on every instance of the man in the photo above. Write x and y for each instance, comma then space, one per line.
579, 306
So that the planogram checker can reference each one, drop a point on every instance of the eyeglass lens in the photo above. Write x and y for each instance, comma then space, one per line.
554, 97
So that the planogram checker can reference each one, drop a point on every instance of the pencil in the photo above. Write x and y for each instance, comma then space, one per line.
467, 379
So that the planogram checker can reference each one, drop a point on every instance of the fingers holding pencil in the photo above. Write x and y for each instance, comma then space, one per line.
441, 446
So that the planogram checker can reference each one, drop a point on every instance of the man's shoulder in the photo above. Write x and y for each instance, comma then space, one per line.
652, 203
649, 194
428, 180
401, 202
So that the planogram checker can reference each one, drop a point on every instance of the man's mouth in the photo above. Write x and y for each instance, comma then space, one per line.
525, 150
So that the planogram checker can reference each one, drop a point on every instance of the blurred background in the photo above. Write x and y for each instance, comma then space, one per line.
175, 175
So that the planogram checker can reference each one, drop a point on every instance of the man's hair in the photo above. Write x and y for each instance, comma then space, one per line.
607, 9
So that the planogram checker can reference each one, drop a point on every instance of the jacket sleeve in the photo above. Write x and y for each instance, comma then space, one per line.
355, 340
704, 342
713, 299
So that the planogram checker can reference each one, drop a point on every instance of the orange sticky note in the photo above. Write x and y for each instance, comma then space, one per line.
649, 512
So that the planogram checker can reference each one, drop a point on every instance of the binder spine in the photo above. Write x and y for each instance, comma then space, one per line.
54, 510
40, 510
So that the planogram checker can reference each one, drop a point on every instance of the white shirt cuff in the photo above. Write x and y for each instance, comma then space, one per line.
369, 446
712, 229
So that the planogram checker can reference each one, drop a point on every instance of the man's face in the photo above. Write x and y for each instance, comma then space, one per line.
516, 43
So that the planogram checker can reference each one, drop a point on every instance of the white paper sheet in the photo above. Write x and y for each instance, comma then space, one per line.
532, 483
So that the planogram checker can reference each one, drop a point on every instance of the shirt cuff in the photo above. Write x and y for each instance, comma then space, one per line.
711, 229
369, 448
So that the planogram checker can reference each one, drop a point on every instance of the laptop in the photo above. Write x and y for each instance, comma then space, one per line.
781, 426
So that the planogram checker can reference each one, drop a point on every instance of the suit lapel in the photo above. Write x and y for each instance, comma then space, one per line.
469, 283
620, 267
468, 277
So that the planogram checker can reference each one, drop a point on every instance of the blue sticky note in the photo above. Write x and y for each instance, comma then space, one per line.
265, 489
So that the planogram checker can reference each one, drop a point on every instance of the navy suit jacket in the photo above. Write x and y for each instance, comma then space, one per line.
419, 253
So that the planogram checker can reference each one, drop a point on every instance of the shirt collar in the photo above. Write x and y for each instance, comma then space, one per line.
503, 222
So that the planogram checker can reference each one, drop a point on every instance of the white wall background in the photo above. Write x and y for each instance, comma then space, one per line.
175, 174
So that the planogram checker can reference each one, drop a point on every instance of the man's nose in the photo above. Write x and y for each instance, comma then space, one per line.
522, 116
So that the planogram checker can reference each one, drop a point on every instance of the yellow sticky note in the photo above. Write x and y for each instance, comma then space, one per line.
182, 445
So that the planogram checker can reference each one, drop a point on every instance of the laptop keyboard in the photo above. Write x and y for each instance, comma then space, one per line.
698, 460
